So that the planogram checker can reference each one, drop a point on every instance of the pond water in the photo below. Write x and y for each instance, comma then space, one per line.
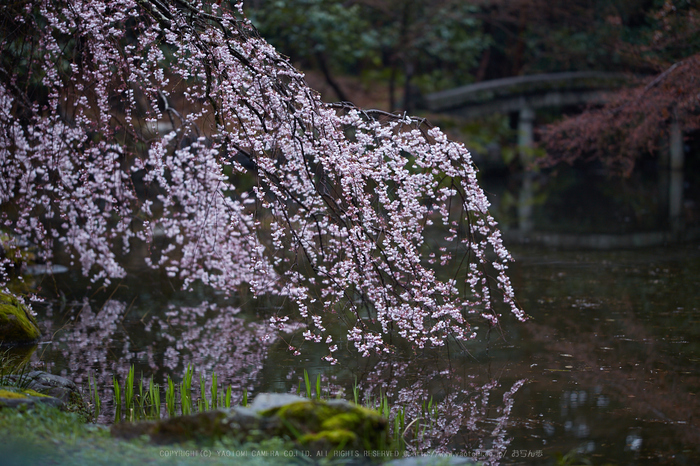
608, 366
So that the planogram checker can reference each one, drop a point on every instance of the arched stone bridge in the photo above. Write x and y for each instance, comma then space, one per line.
523, 95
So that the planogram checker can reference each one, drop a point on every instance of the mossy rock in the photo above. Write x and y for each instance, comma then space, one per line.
15, 397
239, 424
17, 325
42, 384
332, 425
60, 388
313, 426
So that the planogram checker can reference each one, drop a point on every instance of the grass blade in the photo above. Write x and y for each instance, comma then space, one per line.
227, 400
203, 403
184, 399
129, 390
214, 391
356, 392
170, 397
117, 400
154, 399
308, 384
92, 384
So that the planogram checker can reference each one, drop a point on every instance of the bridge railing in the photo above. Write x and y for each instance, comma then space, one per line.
486, 93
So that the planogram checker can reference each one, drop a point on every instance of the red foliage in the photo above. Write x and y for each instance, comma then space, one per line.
633, 121
638, 119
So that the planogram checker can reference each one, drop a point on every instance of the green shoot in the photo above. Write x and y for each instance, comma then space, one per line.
307, 384
92, 384
356, 392
170, 397
154, 398
214, 391
202, 402
117, 400
227, 400
186, 392
129, 390
184, 400
141, 400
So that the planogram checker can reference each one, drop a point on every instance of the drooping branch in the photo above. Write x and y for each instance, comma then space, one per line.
350, 210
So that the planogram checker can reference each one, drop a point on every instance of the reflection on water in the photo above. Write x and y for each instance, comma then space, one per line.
446, 411
608, 366
213, 339
613, 346
590, 210
452, 412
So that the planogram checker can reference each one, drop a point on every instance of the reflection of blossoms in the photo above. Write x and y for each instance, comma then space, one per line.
85, 349
500, 443
458, 422
171, 358
214, 339
210, 338
89, 340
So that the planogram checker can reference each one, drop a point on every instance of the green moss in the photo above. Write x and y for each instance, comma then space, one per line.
309, 414
350, 421
7, 394
16, 392
331, 426
17, 325
339, 438
31, 392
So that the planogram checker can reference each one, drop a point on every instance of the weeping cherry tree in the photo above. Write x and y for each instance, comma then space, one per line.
122, 121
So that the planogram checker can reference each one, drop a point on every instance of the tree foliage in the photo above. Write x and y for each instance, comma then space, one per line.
123, 121
324, 34
547, 36
431, 44
637, 119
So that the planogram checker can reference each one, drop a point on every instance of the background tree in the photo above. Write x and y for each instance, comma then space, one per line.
123, 120
409, 45
538, 36
635, 121
327, 35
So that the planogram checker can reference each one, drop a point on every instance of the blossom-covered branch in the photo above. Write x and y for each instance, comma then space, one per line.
122, 121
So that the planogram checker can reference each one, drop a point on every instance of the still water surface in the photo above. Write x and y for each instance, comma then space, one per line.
608, 366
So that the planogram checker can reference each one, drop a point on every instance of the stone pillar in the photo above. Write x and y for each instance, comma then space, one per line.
526, 133
675, 199
525, 203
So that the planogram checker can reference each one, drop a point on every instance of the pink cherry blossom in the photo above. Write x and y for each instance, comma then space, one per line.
140, 122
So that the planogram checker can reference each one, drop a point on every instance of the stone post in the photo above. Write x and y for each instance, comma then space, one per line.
526, 132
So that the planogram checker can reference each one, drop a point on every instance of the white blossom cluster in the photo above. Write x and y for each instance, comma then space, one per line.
153, 110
